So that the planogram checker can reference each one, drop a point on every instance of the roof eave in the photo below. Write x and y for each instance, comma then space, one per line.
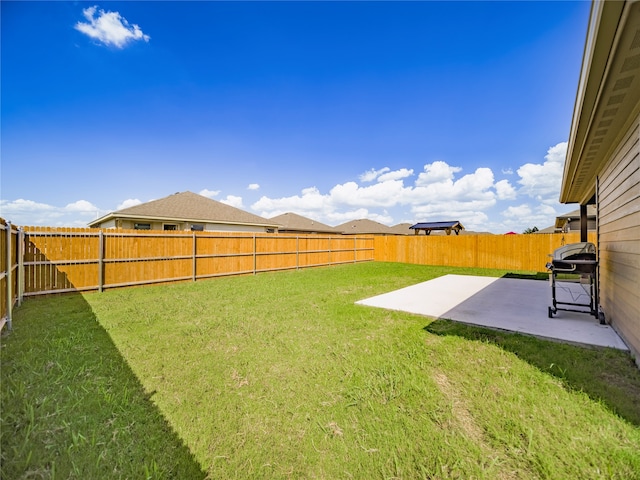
607, 20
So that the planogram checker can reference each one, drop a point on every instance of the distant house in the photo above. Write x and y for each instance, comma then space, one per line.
364, 226
570, 222
294, 223
602, 167
185, 211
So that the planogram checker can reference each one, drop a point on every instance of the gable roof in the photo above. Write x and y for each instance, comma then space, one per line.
188, 206
293, 222
402, 229
364, 226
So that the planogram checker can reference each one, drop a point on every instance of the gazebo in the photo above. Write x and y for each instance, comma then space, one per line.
448, 227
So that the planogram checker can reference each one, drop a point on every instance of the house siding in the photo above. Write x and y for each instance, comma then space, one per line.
575, 225
619, 238
110, 224
221, 227
208, 227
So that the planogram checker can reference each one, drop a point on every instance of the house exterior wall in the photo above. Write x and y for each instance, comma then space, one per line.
129, 224
221, 227
108, 224
574, 226
618, 193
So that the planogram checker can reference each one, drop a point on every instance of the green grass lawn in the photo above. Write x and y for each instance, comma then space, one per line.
281, 375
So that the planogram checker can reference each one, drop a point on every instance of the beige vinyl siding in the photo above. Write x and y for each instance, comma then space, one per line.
223, 227
619, 238
209, 227
575, 226
110, 224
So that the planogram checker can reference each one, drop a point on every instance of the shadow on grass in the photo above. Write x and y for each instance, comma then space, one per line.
71, 406
607, 375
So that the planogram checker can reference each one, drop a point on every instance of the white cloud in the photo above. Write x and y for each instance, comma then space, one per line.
436, 195
24, 213
311, 200
519, 211
542, 181
507, 171
439, 196
129, 202
233, 200
371, 175
505, 190
109, 28
209, 193
253, 186
437, 172
81, 206
7, 208
395, 175
383, 194
520, 217
474, 186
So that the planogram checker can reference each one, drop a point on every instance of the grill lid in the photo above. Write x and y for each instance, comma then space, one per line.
582, 250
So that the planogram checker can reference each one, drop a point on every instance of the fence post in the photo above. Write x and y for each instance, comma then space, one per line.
194, 256
100, 261
297, 252
8, 277
255, 255
355, 249
20, 253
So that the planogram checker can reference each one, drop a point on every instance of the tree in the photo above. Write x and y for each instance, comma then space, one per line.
531, 230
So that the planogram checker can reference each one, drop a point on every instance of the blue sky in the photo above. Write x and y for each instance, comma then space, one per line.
392, 111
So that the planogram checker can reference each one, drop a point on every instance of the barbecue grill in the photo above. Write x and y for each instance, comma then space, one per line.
578, 260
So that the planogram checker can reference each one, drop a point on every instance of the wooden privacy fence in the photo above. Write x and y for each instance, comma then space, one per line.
64, 260
505, 252
40, 260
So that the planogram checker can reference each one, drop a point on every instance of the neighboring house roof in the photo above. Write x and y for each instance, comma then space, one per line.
608, 94
292, 222
190, 207
364, 226
402, 229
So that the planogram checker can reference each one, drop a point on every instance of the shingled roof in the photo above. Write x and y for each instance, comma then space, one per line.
364, 226
190, 207
292, 222
402, 229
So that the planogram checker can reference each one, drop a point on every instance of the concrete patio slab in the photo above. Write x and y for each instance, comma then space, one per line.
511, 304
